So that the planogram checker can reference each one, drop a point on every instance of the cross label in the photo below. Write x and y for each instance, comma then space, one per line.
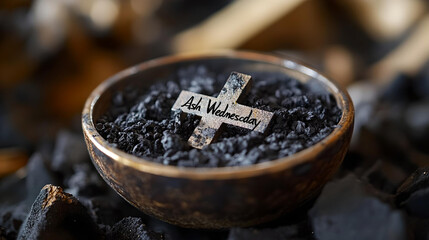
224, 109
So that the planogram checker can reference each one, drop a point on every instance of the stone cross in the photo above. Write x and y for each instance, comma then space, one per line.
224, 109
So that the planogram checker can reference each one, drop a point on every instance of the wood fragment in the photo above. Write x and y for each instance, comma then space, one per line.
384, 19
233, 25
408, 58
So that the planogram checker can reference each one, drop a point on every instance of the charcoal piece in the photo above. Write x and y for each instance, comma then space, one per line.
58, 215
38, 175
145, 126
3, 234
85, 181
172, 232
417, 181
384, 137
418, 228
417, 125
413, 194
314, 86
69, 149
417, 204
364, 96
385, 176
13, 207
279, 233
132, 228
12, 189
199, 79
172, 141
421, 84
105, 209
399, 90
345, 210
11, 218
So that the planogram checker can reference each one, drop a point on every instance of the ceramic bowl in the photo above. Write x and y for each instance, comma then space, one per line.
214, 198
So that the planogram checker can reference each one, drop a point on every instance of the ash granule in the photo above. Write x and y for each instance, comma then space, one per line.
142, 123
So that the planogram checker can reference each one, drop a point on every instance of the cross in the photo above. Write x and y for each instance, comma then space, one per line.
215, 112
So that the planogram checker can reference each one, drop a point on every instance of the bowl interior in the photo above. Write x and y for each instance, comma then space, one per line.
223, 65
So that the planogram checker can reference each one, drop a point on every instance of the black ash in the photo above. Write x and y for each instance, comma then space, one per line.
142, 123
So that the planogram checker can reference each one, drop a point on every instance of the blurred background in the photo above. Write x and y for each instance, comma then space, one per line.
55, 52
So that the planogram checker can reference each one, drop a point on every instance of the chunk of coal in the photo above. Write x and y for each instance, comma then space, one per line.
103, 209
141, 123
69, 149
3, 235
280, 233
414, 193
421, 85
417, 124
13, 207
58, 215
418, 228
345, 210
400, 90
85, 181
12, 189
38, 175
385, 176
364, 96
418, 180
172, 232
132, 228
417, 203
11, 218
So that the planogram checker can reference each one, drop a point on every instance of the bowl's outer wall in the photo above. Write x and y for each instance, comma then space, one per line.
218, 202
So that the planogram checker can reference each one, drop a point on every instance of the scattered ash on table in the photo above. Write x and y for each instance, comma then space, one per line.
142, 123
380, 192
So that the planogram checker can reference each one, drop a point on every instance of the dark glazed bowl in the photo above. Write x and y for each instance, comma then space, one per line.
216, 197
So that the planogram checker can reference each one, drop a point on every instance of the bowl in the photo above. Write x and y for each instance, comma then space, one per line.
214, 198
